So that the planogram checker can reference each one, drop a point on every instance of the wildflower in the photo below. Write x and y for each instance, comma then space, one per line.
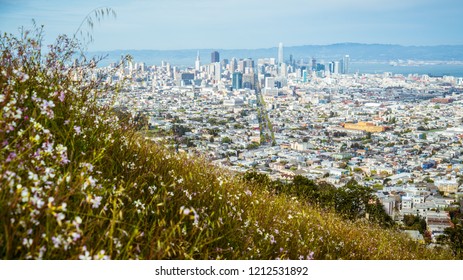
61, 96
139, 205
24, 77
101, 256
77, 130
11, 157
46, 108
272, 239
310, 256
248, 192
152, 189
184, 210
42, 251
96, 201
27, 242
60, 217
75, 236
86, 255
57, 241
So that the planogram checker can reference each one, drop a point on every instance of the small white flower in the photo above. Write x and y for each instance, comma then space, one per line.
96, 201
85, 256
77, 129
60, 217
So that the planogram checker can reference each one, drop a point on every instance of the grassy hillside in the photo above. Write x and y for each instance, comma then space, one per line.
77, 183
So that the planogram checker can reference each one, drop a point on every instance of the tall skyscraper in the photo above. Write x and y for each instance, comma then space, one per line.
233, 65
336, 67
284, 70
217, 72
345, 64
241, 65
215, 57
280, 54
198, 63
237, 80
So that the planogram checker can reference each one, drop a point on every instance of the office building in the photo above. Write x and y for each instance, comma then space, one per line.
233, 65
215, 57
345, 64
249, 81
198, 63
237, 80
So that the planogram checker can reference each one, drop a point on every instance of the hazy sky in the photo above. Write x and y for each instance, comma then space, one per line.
227, 24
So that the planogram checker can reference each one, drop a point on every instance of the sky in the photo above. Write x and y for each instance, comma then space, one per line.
242, 24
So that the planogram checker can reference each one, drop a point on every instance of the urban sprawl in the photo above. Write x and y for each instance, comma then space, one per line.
400, 135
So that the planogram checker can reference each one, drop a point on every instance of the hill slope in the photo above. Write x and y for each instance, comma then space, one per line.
78, 182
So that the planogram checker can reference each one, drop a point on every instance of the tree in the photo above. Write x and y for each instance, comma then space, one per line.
226, 140
453, 237
354, 201
252, 146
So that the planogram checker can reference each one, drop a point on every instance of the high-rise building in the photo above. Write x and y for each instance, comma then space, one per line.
345, 64
280, 54
198, 63
241, 65
249, 80
283, 70
215, 57
248, 65
269, 82
233, 65
314, 64
217, 72
237, 80
336, 67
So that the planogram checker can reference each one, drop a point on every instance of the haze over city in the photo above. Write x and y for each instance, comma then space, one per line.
240, 24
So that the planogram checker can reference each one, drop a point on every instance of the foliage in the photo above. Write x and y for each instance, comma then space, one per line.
453, 237
226, 140
413, 222
252, 146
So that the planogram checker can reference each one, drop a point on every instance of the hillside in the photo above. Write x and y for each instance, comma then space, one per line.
78, 182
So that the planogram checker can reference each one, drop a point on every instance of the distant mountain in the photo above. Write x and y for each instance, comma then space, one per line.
356, 51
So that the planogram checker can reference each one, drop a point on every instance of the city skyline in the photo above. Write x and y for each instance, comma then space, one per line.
180, 24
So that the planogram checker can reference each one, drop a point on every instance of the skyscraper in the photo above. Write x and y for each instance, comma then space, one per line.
215, 57
217, 72
345, 64
249, 80
198, 63
283, 70
237, 80
280, 54
233, 65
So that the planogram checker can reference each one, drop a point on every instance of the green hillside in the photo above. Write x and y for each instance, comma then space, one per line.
77, 182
